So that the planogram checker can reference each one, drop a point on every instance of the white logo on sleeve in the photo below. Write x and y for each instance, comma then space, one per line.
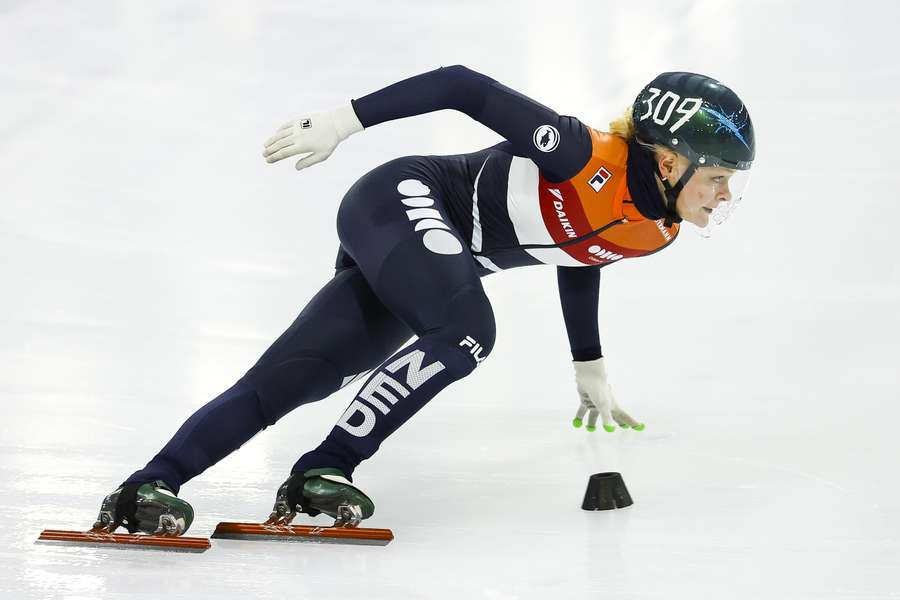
546, 138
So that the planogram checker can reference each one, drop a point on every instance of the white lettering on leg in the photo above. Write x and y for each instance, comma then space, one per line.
378, 385
364, 428
415, 374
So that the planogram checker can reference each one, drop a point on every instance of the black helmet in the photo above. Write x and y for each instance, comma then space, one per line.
698, 117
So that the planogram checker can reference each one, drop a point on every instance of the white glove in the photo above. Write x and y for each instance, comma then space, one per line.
597, 398
317, 134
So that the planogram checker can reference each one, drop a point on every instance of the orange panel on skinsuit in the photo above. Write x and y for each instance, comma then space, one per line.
588, 219
602, 192
645, 235
601, 184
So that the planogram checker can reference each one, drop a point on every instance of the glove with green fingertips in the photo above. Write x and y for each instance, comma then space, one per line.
597, 399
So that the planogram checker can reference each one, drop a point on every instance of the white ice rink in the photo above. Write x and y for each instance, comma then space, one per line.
149, 255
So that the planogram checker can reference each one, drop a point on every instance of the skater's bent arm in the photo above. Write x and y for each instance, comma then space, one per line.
514, 116
579, 291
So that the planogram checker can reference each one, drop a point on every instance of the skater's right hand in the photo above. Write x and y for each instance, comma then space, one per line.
316, 135
597, 398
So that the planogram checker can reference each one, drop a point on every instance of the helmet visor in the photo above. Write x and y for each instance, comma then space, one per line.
722, 190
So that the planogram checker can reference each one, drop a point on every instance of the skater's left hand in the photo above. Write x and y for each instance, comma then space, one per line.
315, 136
597, 398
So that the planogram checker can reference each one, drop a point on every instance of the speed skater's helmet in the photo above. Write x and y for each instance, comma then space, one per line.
701, 119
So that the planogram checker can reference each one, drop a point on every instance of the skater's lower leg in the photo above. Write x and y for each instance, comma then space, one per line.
223, 425
146, 502
342, 332
392, 394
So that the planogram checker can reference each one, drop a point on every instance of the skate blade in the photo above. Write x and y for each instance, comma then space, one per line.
124, 540
304, 533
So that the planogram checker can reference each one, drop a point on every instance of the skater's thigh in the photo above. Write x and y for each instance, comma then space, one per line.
395, 225
431, 292
343, 331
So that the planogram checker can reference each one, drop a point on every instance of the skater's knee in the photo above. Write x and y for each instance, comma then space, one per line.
283, 386
469, 323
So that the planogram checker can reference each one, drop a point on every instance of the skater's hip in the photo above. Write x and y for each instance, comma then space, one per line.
394, 200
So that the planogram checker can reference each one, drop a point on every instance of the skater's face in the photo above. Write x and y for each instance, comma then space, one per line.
704, 191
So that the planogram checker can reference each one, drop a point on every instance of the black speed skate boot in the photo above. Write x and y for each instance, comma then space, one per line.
150, 508
321, 491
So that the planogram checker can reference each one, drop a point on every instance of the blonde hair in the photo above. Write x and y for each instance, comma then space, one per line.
623, 127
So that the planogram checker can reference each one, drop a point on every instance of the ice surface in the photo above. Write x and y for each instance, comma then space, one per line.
148, 256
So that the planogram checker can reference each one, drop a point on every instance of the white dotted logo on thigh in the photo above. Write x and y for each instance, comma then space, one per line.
413, 187
437, 238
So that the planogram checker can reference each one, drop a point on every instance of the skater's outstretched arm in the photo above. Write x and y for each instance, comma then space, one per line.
519, 119
579, 289
559, 145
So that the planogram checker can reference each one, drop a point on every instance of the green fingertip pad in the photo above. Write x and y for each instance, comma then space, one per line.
609, 428
638, 427
625, 426
576, 422
591, 428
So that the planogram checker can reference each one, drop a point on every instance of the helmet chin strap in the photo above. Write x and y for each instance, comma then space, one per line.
672, 192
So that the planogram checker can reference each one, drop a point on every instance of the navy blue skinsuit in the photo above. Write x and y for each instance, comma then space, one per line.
393, 282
